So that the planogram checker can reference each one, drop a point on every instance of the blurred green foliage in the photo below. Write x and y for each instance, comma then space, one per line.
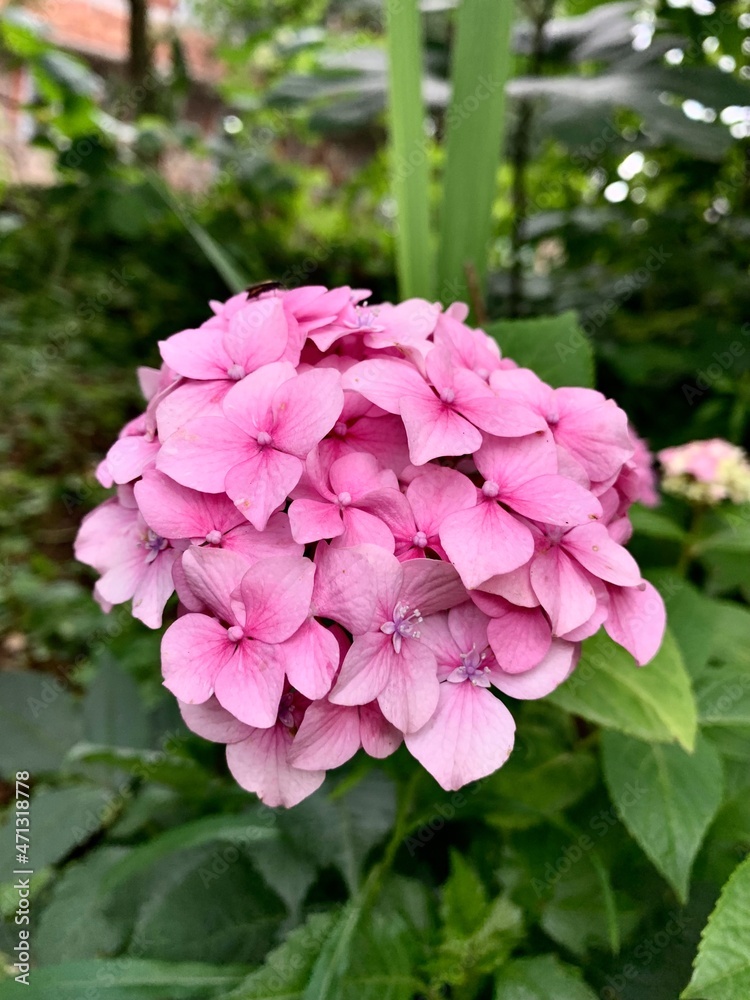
619, 206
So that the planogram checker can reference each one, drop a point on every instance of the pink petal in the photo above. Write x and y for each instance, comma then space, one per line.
311, 659
485, 541
379, 738
251, 683
213, 575
261, 764
360, 473
344, 589
431, 586
594, 430
213, 722
435, 430
592, 546
128, 457
387, 382
564, 590
519, 637
275, 540
553, 500
556, 667
277, 594
249, 404
175, 511
509, 462
154, 589
306, 409
201, 453
470, 735
189, 400
262, 483
514, 587
257, 334
193, 652
327, 738
636, 620
361, 528
197, 354
312, 520
437, 493
410, 694
365, 670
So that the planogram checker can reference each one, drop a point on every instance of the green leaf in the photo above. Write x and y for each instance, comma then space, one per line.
724, 697
692, 618
75, 924
39, 722
286, 970
464, 898
481, 66
113, 713
182, 773
61, 819
722, 967
125, 979
244, 829
541, 978
654, 702
653, 524
409, 150
554, 346
666, 798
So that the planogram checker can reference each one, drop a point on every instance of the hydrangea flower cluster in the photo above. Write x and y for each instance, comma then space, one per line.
706, 472
376, 526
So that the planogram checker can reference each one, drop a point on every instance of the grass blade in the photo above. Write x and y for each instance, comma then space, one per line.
409, 150
481, 66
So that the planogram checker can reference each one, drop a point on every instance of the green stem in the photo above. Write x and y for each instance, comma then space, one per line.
688, 546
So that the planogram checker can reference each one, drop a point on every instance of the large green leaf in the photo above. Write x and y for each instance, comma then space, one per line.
722, 968
481, 66
61, 819
39, 722
543, 977
654, 702
555, 347
125, 979
409, 150
724, 697
666, 798
113, 712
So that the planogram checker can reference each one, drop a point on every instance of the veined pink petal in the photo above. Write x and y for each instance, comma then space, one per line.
564, 590
261, 764
434, 430
213, 722
594, 430
197, 354
410, 694
509, 462
213, 575
189, 400
556, 667
257, 334
636, 620
485, 541
311, 659
436, 493
154, 589
312, 520
470, 735
514, 587
360, 474
520, 637
277, 594
261, 483
275, 540
592, 546
128, 457
431, 586
249, 404
553, 500
361, 528
251, 683
201, 453
344, 588
386, 382
193, 651
379, 738
327, 738
175, 511
305, 410
365, 670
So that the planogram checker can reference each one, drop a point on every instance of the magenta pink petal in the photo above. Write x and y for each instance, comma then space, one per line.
257, 334
128, 457
213, 575
556, 667
311, 659
636, 620
305, 410
189, 400
261, 764
251, 683
592, 546
193, 652
201, 453
261, 483
175, 511
410, 694
249, 403
520, 637
277, 594
379, 738
154, 589
365, 670
361, 528
344, 588
197, 354
435, 430
312, 520
387, 382
564, 590
213, 722
553, 500
485, 541
327, 738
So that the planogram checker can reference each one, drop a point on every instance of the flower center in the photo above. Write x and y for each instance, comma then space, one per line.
286, 710
420, 540
472, 669
213, 537
236, 372
153, 544
344, 499
490, 489
264, 438
447, 395
402, 625
235, 633
483, 373
340, 429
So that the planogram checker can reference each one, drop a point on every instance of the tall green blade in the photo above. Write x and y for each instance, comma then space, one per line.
481, 66
409, 150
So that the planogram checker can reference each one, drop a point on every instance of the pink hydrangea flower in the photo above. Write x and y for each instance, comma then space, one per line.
379, 530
